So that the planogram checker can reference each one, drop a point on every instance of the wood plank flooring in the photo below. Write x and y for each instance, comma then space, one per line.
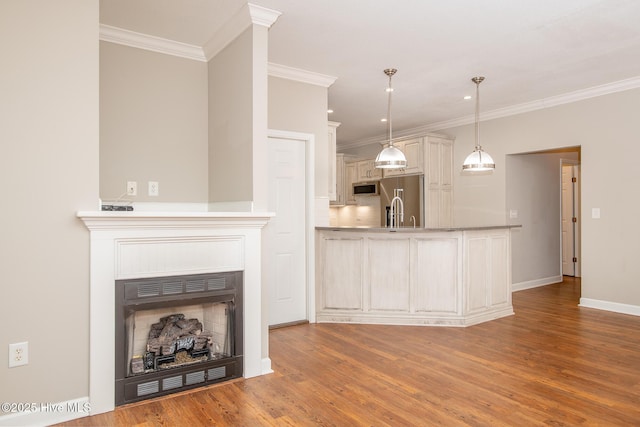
552, 363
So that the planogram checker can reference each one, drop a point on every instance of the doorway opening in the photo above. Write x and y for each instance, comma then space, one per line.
534, 199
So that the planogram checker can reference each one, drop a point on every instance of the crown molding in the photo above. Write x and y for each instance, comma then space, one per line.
152, 43
247, 15
303, 76
552, 101
263, 16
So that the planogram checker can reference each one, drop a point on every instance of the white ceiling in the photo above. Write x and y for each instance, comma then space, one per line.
528, 50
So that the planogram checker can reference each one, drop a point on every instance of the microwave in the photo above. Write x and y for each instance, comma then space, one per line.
366, 188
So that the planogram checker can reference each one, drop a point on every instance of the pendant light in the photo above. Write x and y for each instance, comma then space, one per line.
390, 157
478, 160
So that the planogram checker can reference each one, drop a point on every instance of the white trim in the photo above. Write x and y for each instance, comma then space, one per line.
552, 101
168, 207
152, 43
298, 75
263, 16
249, 14
616, 307
530, 284
246, 16
239, 206
309, 140
266, 366
48, 413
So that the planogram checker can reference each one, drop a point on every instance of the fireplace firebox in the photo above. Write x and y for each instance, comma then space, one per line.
176, 333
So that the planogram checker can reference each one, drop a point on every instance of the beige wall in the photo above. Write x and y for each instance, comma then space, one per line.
153, 125
230, 122
606, 129
48, 171
301, 107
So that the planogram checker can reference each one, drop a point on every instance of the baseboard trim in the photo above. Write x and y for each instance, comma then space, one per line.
266, 366
615, 307
46, 413
535, 283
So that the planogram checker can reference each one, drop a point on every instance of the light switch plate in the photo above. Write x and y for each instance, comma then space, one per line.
595, 213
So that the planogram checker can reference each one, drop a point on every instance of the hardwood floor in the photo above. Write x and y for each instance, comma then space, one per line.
552, 363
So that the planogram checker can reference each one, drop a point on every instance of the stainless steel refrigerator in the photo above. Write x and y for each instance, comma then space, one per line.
412, 196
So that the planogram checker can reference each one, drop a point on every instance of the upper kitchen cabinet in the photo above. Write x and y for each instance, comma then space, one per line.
335, 170
413, 151
367, 171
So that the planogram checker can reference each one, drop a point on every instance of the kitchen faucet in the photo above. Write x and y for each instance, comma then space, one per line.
397, 218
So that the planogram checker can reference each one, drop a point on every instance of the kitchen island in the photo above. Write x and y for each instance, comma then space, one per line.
454, 276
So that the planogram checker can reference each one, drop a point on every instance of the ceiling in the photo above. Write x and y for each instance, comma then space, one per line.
528, 50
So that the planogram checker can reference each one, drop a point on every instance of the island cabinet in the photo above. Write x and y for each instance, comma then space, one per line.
453, 277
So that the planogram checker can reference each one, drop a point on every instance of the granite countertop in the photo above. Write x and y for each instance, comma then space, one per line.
417, 229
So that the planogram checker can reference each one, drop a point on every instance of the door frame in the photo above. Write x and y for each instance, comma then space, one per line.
577, 234
309, 142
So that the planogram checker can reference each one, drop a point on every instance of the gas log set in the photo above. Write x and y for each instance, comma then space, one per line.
173, 341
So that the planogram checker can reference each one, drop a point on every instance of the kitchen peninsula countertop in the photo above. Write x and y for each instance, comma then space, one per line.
416, 229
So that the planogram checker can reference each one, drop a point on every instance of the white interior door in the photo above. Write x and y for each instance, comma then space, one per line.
285, 233
570, 220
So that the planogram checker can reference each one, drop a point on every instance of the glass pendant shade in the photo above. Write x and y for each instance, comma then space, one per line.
478, 160
390, 157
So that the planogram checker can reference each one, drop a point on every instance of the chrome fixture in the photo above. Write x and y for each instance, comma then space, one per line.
397, 208
478, 160
390, 157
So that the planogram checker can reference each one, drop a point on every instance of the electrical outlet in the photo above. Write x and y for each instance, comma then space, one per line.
132, 188
153, 188
18, 354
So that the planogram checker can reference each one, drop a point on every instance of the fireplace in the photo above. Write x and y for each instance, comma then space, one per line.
130, 246
175, 333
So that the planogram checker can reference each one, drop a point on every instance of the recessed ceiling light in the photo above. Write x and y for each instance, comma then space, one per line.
329, 111
467, 97
383, 119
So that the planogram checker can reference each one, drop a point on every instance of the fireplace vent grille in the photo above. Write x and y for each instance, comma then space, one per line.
194, 377
148, 388
217, 373
197, 285
172, 382
172, 288
148, 290
217, 283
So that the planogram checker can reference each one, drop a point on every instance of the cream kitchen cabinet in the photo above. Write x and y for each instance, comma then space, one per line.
438, 181
341, 185
367, 171
350, 177
334, 170
453, 276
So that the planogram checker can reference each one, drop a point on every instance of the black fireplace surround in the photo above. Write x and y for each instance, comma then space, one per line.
141, 376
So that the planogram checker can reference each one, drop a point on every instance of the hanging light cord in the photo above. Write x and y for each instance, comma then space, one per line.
477, 81
389, 72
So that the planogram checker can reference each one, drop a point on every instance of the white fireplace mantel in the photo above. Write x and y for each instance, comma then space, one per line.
127, 245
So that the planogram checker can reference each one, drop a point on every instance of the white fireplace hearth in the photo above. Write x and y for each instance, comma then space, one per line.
130, 245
